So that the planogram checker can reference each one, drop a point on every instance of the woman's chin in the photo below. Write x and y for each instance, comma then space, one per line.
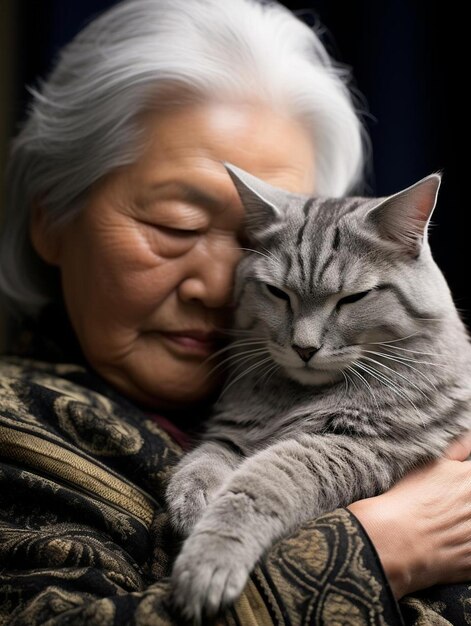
173, 388
158, 380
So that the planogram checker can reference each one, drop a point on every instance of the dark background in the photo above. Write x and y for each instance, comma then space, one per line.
408, 62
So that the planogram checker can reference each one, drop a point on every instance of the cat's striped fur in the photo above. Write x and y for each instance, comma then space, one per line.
351, 366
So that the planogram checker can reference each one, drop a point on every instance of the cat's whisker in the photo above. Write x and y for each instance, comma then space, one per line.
390, 384
236, 359
349, 378
269, 373
244, 373
383, 379
406, 363
243, 340
390, 369
269, 253
272, 254
408, 359
243, 354
234, 332
376, 343
277, 351
413, 351
346, 379
369, 387
230, 357
255, 251
231, 346
401, 362
246, 360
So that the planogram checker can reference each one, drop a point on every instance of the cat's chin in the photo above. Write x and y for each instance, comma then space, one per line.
314, 378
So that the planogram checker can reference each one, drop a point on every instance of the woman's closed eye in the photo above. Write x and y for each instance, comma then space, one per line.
172, 231
177, 232
169, 241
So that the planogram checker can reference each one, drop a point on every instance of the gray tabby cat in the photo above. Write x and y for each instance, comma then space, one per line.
353, 367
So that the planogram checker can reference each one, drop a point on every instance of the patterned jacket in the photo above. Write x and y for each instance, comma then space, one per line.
85, 538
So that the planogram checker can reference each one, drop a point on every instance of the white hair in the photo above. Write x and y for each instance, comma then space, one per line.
83, 120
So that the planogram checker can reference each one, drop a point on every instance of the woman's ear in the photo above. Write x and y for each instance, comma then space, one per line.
45, 240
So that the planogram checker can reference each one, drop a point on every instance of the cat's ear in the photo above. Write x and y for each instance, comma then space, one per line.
404, 217
262, 202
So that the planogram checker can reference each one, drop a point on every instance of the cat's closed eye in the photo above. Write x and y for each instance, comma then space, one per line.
354, 297
278, 293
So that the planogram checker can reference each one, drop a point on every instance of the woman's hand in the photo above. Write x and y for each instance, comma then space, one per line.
421, 528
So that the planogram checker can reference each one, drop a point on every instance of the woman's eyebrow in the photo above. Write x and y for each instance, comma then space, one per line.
193, 194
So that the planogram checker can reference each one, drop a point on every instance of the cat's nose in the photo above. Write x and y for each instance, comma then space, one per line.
305, 353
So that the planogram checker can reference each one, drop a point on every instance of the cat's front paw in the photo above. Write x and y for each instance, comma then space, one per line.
186, 507
209, 574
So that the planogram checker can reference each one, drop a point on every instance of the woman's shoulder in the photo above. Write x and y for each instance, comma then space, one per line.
61, 421
80, 461
27, 370
33, 390
26, 385
67, 401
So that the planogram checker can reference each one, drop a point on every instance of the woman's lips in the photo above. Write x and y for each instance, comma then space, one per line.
191, 342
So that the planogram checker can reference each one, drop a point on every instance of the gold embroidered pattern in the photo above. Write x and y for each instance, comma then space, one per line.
44, 455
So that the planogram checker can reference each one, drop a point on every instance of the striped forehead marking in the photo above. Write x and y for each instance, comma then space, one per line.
306, 258
299, 242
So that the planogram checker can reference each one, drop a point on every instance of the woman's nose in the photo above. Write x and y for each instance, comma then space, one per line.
210, 274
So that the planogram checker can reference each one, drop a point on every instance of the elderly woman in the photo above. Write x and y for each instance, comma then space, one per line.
121, 236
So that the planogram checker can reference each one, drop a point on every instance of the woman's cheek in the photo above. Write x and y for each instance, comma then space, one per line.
144, 289
143, 269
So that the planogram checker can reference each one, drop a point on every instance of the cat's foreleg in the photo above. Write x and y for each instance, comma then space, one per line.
197, 477
268, 496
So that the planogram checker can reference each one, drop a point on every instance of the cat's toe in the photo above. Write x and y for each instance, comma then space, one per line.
206, 577
226, 586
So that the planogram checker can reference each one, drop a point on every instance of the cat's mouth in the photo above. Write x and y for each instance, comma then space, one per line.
325, 369
314, 376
